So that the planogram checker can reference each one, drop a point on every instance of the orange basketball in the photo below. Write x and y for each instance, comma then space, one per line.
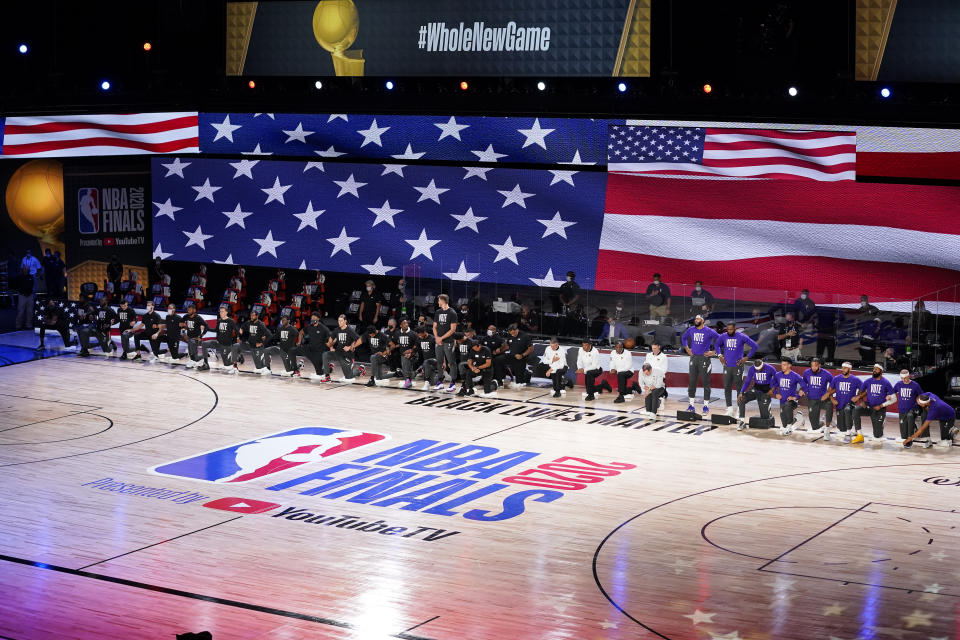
629, 343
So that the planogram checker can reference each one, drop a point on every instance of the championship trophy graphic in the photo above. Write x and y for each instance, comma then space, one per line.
335, 26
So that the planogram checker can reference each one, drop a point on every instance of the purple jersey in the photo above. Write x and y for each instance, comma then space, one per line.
699, 341
906, 395
731, 347
846, 387
762, 377
877, 390
787, 384
816, 383
939, 410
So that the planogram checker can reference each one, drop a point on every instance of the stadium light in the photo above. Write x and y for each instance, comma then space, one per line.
464, 85
707, 88
622, 87
389, 85
147, 46
252, 84
105, 85
541, 85
23, 48
792, 92
318, 84
885, 92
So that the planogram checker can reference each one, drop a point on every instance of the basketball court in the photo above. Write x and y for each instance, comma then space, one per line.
147, 502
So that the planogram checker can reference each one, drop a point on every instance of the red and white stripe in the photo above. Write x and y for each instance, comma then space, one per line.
886, 240
101, 135
760, 153
903, 152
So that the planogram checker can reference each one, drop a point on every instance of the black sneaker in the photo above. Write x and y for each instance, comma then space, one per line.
605, 386
907, 445
462, 392
123, 356
372, 383
590, 397
556, 394
569, 383
471, 392
204, 367
619, 399
40, 347
83, 354
137, 357
241, 358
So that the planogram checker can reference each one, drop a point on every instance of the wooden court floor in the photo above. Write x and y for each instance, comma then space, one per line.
142, 500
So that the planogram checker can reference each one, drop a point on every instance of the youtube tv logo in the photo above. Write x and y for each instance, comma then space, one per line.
241, 505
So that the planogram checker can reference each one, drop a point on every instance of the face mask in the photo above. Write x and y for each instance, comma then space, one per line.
569, 278
697, 289
369, 289
489, 333
656, 282
464, 310
863, 303
619, 308
314, 321
803, 296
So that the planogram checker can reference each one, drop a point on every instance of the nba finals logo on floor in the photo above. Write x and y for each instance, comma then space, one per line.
89, 202
268, 455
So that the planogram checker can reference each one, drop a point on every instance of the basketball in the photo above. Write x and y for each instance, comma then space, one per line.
629, 343
35, 199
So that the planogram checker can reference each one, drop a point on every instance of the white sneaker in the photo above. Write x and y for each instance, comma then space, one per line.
946, 444
563, 392
492, 394
899, 440
741, 425
191, 364
584, 394
316, 376
926, 444
846, 438
426, 385
284, 373
152, 358
265, 371
730, 412
343, 380
232, 370
628, 397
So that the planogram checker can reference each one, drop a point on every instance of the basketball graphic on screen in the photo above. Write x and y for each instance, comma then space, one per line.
335, 24
35, 199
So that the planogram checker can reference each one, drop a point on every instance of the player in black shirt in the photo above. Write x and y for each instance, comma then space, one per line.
443, 329
225, 345
172, 326
370, 301
405, 346
55, 319
379, 346
127, 318
256, 336
284, 343
312, 345
495, 342
427, 351
343, 341
479, 363
463, 352
103, 319
194, 328
149, 327
393, 359
519, 346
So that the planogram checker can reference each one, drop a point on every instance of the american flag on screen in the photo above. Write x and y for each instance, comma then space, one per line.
733, 153
100, 135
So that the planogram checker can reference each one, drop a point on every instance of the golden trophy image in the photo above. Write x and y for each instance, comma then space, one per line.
335, 26
35, 201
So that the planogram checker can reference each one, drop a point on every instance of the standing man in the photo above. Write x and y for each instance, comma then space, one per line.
342, 343
816, 382
285, 343
788, 334
31, 263
588, 363
907, 391
24, 285
519, 346
379, 346
658, 297
172, 325
228, 334
480, 363
879, 395
555, 360
804, 308
312, 343
256, 335
621, 365
698, 342
730, 347
869, 334
569, 293
127, 318
845, 392
826, 320
115, 273
445, 325
370, 302
701, 300
788, 389
756, 386
652, 384
934, 410
194, 328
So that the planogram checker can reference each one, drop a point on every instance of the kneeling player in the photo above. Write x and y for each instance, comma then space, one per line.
257, 336
343, 341
379, 346
846, 388
149, 328
479, 363
652, 384
194, 328
54, 319
934, 410
756, 386
225, 345
427, 356
172, 325
907, 391
816, 381
788, 389
285, 342
555, 360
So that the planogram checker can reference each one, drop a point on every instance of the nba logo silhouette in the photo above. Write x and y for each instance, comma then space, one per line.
88, 200
268, 455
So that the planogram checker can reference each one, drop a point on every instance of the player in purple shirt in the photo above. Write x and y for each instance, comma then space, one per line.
879, 395
756, 387
788, 389
845, 388
698, 342
934, 409
907, 391
730, 347
816, 384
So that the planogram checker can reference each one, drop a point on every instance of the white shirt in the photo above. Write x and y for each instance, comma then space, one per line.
621, 361
554, 359
658, 362
588, 360
654, 380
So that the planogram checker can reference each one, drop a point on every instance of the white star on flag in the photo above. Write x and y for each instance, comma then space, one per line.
467, 220
227, 260
547, 281
408, 154
488, 155
175, 168
507, 251
198, 237
384, 214
555, 225
450, 128
393, 168
303, 265
205, 190
269, 115
256, 152
225, 129
244, 168
535, 135
314, 165
275, 193
268, 244
422, 245
372, 134
699, 616
562, 176
159, 253
350, 186
577, 160
297, 134
377, 268
461, 274
430, 192
514, 196
330, 152
309, 217
166, 209
477, 172
342, 242
236, 217
337, 116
